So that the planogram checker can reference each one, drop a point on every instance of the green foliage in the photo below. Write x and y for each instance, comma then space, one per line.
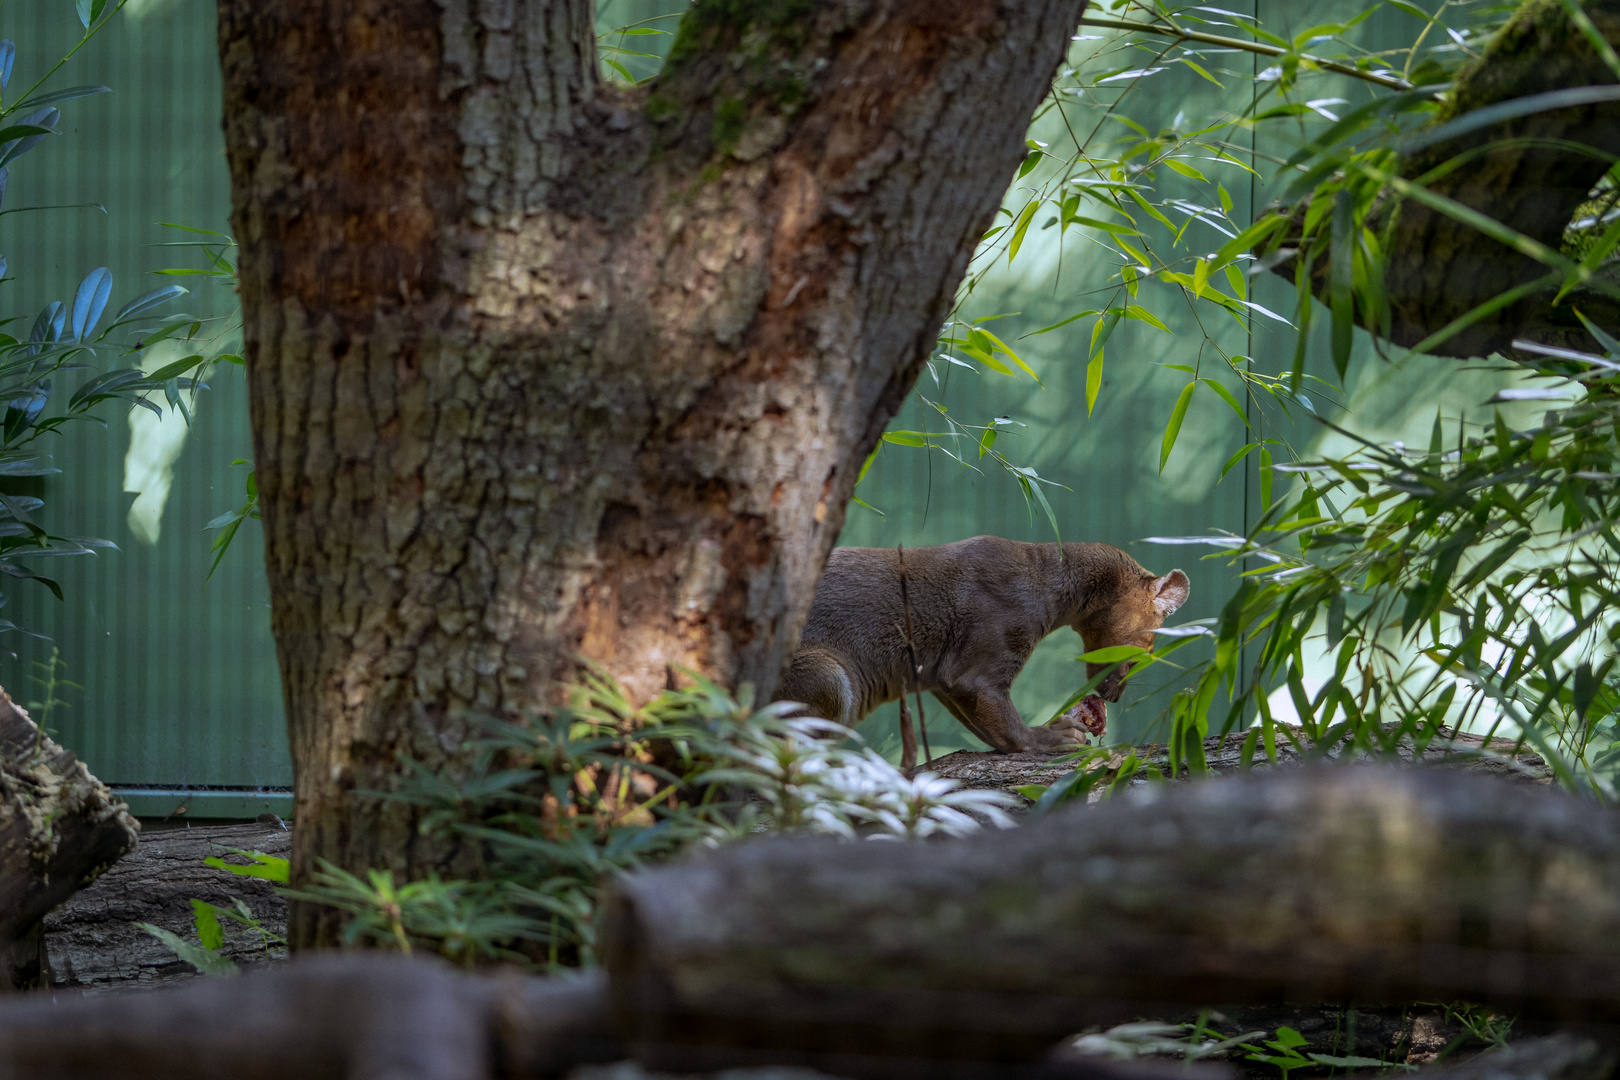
269, 867
218, 250
1468, 584
202, 957
1464, 586
558, 806
1479, 1023
617, 57
64, 338
1284, 1053
207, 955
49, 680
230, 521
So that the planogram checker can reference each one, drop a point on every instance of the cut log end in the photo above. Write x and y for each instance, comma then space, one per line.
60, 828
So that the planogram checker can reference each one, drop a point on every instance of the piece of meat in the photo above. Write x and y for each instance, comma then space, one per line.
1090, 715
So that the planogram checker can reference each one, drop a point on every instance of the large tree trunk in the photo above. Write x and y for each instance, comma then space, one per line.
540, 368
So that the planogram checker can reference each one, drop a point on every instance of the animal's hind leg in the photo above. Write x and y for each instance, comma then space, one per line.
818, 679
963, 716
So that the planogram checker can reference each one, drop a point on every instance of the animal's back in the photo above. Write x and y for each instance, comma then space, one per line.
858, 614
974, 611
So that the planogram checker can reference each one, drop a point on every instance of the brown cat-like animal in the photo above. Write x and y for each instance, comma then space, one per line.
978, 609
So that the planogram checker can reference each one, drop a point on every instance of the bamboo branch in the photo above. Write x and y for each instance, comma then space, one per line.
1391, 82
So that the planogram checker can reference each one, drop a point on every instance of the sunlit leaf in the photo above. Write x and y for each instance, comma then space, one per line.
1172, 429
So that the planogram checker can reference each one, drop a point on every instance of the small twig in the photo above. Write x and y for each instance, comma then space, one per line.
908, 738
1392, 82
911, 654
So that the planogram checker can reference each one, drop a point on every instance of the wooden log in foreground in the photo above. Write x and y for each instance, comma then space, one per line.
59, 828
967, 958
364, 1016
371, 1016
1370, 884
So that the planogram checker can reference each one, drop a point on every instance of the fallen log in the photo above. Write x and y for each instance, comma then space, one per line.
59, 828
1229, 754
1564, 1056
1367, 884
93, 938
335, 1015
971, 958
366, 1016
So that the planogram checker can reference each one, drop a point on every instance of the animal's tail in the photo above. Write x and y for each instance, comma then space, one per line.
817, 678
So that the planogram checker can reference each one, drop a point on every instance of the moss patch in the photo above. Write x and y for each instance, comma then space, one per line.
660, 108
729, 118
723, 23
739, 70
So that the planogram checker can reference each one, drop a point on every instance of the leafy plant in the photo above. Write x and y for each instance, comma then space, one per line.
230, 521
1468, 586
49, 680
1479, 1023
64, 338
207, 955
560, 805
1285, 1055
1471, 583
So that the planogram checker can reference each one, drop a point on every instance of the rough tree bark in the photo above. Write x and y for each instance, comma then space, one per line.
59, 828
541, 368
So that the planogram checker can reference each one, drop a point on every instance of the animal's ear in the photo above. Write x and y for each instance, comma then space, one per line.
1170, 592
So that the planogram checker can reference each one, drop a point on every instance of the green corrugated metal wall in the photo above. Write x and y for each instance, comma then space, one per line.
180, 683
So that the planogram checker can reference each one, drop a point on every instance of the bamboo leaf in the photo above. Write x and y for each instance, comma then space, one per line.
1226, 396
1200, 277
1341, 266
1151, 210
1009, 354
1201, 71
1020, 228
1266, 477
1249, 238
1184, 169
1142, 314
1511, 110
1058, 325
1173, 428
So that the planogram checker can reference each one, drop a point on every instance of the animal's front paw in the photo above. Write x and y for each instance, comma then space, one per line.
1091, 716
1073, 729
1051, 739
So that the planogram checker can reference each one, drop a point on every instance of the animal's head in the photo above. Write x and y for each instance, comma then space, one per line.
1140, 605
